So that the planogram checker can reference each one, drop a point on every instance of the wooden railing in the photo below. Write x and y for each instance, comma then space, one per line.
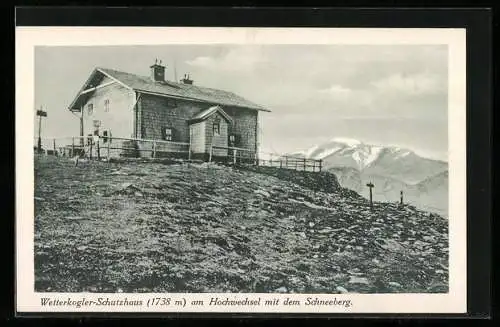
113, 147
289, 162
108, 147
237, 155
234, 154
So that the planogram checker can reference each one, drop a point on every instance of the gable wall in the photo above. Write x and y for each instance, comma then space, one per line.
213, 139
119, 119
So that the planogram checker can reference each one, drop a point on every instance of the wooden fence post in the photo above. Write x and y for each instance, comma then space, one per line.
54, 141
154, 149
109, 142
98, 148
210, 155
320, 165
281, 163
304, 164
72, 146
90, 154
286, 162
234, 156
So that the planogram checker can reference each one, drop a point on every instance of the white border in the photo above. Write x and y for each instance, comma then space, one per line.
29, 37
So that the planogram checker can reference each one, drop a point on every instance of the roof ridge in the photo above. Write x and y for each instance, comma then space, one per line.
205, 113
203, 93
173, 82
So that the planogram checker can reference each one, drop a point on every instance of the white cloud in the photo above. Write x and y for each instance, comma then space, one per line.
202, 62
336, 90
240, 59
416, 84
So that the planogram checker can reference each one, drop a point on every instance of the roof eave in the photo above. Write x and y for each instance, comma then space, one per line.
72, 107
75, 101
198, 100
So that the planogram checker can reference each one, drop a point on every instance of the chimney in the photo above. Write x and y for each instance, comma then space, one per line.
157, 71
186, 80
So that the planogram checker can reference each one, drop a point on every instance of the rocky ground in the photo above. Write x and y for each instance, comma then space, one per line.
185, 227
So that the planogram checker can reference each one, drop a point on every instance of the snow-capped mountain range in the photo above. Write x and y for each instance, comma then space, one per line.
391, 161
392, 169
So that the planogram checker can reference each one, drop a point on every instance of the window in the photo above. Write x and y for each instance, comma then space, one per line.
216, 127
171, 103
106, 105
167, 134
106, 135
234, 140
90, 109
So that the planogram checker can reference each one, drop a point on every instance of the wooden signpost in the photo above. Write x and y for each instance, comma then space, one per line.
370, 185
40, 113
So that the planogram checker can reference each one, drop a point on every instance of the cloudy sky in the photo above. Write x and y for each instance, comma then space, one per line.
381, 94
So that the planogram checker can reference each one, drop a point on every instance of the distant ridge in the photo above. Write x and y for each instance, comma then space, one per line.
391, 168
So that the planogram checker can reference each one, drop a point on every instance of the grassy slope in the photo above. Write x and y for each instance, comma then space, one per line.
188, 228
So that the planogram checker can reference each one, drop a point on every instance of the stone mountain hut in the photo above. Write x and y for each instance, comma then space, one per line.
123, 105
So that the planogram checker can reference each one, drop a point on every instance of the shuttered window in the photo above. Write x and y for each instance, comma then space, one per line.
234, 140
106, 136
168, 134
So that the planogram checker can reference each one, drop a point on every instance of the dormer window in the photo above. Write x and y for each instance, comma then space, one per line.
90, 109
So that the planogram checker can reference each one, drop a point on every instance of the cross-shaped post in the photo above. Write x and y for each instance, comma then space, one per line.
370, 185
401, 198
40, 113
